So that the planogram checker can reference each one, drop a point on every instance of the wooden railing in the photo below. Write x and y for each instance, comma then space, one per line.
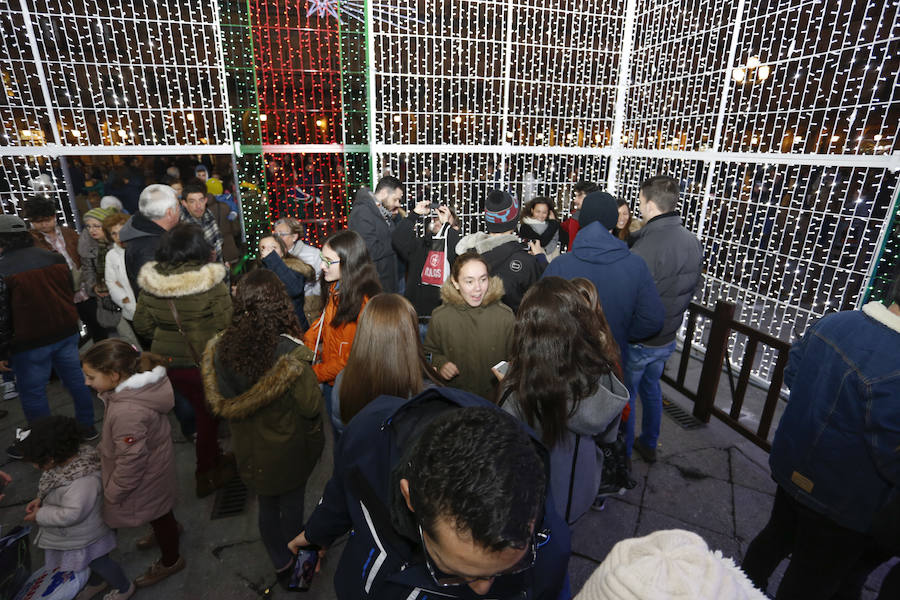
722, 324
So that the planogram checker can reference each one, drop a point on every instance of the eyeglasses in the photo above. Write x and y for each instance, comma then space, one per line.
328, 262
446, 580
284, 234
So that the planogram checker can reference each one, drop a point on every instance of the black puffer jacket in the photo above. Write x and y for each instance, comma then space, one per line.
414, 250
508, 259
675, 258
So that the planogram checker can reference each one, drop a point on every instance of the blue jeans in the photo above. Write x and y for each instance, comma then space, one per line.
32, 369
645, 367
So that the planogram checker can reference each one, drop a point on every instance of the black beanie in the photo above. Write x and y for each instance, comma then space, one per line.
501, 212
599, 206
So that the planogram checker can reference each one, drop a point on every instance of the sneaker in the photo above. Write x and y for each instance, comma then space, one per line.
646, 452
117, 595
599, 503
14, 452
157, 572
89, 591
88, 432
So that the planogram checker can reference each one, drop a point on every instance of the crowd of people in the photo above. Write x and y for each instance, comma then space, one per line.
480, 388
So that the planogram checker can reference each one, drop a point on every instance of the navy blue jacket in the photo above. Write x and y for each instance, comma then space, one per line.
837, 447
627, 292
384, 565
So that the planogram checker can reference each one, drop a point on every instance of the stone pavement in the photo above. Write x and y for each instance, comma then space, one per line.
708, 480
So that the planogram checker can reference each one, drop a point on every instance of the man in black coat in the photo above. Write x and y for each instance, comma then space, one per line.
158, 213
372, 217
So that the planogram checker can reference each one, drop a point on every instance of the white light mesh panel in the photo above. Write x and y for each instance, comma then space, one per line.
477, 94
786, 242
115, 73
29, 177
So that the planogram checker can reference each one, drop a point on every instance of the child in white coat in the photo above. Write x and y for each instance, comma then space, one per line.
68, 506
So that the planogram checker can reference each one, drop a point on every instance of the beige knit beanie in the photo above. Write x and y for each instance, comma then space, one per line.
670, 564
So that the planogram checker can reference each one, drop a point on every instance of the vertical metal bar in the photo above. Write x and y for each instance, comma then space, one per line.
621, 93
70, 191
220, 57
881, 243
39, 67
507, 75
370, 73
720, 119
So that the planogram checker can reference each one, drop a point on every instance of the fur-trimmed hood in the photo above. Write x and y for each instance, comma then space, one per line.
883, 315
451, 295
151, 389
184, 280
276, 381
483, 242
295, 264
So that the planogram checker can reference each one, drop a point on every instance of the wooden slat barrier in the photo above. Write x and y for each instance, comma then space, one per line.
723, 324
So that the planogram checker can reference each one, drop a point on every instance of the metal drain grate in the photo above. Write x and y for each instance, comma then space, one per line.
231, 500
678, 414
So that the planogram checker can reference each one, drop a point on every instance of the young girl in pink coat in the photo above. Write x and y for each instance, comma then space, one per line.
136, 452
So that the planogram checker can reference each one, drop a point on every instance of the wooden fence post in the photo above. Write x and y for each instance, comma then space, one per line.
716, 347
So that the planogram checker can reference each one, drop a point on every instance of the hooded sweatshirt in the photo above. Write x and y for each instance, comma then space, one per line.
136, 452
576, 462
472, 338
624, 284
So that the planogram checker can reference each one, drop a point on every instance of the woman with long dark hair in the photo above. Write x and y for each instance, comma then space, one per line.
349, 279
258, 376
388, 326
562, 382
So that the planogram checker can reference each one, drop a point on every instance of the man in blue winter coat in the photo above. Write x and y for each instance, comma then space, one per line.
624, 284
836, 452
447, 496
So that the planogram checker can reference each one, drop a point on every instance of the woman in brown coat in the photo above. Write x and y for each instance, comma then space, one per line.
137, 457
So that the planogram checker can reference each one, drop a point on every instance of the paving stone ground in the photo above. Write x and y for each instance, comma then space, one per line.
708, 480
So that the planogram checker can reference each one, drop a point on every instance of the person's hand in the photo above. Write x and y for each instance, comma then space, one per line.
299, 542
6, 479
449, 371
422, 208
31, 510
101, 292
535, 247
443, 214
126, 300
4, 366
497, 374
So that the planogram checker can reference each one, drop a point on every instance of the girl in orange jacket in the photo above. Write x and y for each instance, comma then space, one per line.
351, 279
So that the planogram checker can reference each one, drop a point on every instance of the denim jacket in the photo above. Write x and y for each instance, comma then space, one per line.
837, 448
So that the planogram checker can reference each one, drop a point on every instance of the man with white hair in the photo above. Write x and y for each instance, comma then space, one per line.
158, 212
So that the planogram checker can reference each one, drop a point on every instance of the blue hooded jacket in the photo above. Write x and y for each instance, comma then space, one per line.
380, 563
624, 284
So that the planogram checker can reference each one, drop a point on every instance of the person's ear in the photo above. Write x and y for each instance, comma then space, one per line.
453, 281
404, 489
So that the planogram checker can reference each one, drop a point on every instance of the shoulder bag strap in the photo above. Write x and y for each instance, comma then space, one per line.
181, 331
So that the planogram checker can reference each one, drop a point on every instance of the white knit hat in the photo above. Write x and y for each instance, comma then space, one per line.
671, 564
